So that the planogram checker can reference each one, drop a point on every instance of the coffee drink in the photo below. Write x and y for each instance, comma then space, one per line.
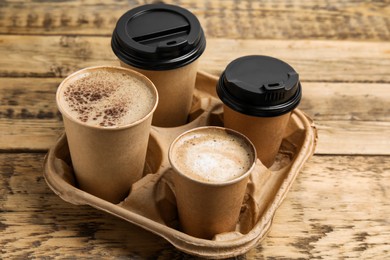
259, 94
212, 166
107, 113
106, 98
212, 156
163, 42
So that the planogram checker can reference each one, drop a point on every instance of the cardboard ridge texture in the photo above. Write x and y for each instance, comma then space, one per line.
151, 202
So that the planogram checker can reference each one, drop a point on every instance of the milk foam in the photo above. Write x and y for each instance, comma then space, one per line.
106, 98
212, 156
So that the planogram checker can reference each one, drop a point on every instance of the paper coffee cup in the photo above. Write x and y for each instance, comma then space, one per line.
164, 43
107, 113
212, 166
259, 93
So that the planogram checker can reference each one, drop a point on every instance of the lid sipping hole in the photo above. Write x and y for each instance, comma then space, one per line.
272, 85
162, 33
171, 42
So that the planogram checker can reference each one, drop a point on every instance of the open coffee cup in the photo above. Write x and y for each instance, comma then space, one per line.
212, 166
163, 42
259, 93
107, 113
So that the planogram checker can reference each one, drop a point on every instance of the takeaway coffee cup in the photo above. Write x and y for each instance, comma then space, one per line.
259, 93
212, 167
107, 113
164, 43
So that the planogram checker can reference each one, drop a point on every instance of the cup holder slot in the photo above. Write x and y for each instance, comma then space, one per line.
154, 156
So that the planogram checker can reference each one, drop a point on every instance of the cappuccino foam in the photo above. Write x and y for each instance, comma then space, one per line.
106, 98
212, 155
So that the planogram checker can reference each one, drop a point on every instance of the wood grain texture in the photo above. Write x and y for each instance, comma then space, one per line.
346, 101
322, 61
35, 223
245, 19
325, 61
338, 207
360, 124
29, 119
353, 137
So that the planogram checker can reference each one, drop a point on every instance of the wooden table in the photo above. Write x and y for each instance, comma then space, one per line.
338, 207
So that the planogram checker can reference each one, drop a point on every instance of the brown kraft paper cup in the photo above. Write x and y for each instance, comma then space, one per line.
175, 88
266, 133
164, 43
209, 208
259, 93
107, 161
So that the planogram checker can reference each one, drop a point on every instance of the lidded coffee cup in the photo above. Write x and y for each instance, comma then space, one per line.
163, 42
259, 93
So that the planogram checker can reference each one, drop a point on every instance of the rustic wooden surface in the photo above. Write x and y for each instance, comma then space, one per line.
339, 206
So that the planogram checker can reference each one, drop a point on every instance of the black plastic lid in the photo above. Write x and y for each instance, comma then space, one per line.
260, 86
158, 37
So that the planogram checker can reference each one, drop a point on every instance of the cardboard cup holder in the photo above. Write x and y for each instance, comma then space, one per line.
151, 201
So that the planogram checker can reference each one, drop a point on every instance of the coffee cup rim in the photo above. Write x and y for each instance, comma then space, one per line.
107, 67
214, 184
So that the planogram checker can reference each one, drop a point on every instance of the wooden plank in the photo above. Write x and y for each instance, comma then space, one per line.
346, 101
280, 19
29, 119
323, 61
372, 138
55, 56
353, 137
35, 223
27, 98
335, 137
29, 134
336, 207
351, 118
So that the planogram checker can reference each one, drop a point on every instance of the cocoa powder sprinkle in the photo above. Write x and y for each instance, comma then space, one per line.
82, 98
101, 98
